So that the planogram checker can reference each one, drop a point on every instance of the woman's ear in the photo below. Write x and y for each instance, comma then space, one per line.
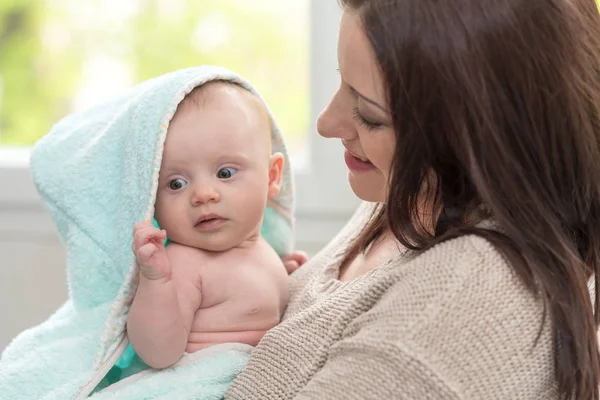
275, 174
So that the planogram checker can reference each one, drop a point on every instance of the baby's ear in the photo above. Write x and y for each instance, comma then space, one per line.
275, 174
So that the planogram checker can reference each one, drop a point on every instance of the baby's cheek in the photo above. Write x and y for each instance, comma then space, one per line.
168, 212
159, 209
254, 208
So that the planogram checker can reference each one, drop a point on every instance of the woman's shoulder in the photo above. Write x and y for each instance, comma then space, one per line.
461, 309
465, 276
461, 262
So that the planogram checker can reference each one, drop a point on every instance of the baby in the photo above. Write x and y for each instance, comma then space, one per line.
216, 280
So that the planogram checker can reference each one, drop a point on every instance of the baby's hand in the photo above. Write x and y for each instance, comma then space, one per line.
148, 247
294, 260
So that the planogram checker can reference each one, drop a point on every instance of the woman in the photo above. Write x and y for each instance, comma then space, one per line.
472, 128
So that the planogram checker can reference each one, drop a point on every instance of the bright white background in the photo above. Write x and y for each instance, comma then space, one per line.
32, 259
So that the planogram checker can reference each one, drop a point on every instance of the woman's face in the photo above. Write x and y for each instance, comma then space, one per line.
357, 114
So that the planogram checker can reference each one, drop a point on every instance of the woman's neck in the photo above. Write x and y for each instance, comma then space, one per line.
377, 253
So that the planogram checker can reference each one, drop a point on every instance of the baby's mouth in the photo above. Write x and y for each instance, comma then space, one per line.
209, 222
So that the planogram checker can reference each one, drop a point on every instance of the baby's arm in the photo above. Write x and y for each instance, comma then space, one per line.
164, 305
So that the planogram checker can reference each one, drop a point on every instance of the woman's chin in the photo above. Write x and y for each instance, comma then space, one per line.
367, 187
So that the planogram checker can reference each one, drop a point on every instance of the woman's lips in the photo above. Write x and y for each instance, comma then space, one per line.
357, 165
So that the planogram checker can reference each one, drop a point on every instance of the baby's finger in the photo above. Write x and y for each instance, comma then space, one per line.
146, 252
141, 235
140, 226
291, 266
156, 236
146, 231
139, 238
138, 241
299, 256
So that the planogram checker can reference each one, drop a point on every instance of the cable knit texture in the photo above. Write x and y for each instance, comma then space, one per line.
452, 323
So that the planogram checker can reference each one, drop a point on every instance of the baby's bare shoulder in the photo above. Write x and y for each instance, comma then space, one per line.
260, 257
267, 257
186, 260
179, 251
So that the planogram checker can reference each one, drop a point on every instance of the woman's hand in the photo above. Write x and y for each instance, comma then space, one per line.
294, 260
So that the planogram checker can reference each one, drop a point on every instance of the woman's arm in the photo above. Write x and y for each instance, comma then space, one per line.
373, 369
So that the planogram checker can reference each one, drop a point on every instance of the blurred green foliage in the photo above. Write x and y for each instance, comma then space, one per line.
46, 47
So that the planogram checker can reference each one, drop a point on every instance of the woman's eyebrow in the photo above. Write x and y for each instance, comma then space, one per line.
368, 100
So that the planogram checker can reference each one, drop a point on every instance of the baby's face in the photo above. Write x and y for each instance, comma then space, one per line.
214, 177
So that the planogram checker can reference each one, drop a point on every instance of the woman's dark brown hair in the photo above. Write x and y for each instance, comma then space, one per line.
500, 99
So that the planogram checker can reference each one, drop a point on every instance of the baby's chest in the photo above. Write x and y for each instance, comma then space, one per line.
250, 282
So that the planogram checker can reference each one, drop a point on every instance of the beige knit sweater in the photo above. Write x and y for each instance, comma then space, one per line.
452, 323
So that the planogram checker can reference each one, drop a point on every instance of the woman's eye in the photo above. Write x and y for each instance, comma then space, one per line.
370, 125
177, 184
226, 173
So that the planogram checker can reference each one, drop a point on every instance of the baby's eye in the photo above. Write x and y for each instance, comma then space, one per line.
226, 173
177, 184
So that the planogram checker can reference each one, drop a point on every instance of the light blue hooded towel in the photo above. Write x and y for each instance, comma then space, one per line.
97, 173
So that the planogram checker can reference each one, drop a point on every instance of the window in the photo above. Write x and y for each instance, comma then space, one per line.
57, 56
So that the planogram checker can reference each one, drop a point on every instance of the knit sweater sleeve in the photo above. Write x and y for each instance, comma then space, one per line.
461, 326
369, 369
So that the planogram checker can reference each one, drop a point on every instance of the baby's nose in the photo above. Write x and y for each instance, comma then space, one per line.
205, 194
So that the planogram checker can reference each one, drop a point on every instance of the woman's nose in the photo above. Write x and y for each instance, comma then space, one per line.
205, 194
336, 120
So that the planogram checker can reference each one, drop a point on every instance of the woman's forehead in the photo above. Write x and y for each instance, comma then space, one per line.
356, 59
